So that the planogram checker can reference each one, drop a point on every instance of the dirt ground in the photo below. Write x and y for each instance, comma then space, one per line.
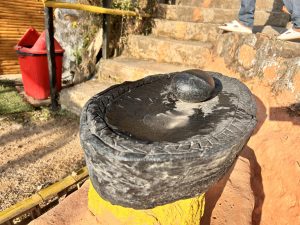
36, 150
273, 151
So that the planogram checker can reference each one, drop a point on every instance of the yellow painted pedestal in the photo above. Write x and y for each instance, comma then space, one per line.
183, 212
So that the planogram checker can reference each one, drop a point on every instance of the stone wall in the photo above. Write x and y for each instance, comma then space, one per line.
80, 34
262, 56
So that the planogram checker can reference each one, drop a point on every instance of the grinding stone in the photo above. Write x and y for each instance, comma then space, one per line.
192, 86
144, 150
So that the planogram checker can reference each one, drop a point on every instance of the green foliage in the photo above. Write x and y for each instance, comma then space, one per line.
86, 41
125, 4
38, 115
89, 35
11, 101
45, 114
14, 107
78, 55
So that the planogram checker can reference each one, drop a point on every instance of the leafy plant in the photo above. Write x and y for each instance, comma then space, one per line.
125, 4
78, 55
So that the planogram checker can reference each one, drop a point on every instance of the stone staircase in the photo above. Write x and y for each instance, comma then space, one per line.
198, 14
185, 35
228, 4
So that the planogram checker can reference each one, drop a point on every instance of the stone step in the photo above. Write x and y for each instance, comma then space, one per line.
74, 98
122, 69
217, 15
182, 30
200, 31
195, 53
248, 55
274, 5
161, 49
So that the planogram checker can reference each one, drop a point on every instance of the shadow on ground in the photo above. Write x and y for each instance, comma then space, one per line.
284, 114
214, 194
36, 149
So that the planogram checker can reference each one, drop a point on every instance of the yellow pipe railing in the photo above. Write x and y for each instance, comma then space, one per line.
93, 9
43, 195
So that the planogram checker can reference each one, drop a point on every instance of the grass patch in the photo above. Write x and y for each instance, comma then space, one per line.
11, 102
40, 115
45, 114
14, 107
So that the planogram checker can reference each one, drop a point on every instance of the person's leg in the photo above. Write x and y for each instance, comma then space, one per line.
246, 14
293, 6
289, 5
246, 18
296, 14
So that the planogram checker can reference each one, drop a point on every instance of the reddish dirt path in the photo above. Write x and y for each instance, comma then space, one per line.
276, 173
277, 150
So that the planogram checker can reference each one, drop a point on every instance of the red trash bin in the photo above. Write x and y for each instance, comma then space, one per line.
32, 54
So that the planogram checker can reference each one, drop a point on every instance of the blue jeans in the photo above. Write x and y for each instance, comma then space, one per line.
246, 15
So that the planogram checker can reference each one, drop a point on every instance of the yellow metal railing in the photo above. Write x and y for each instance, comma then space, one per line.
43, 195
49, 5
93, 9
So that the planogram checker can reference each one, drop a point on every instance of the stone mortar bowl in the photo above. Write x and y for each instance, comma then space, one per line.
145, 148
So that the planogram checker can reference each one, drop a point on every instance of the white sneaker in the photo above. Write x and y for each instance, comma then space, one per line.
235, 26
290, 34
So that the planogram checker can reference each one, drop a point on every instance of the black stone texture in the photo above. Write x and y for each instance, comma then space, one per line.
192, 86
143, 168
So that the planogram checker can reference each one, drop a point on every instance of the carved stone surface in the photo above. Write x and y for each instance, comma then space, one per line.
192, 86
144, 150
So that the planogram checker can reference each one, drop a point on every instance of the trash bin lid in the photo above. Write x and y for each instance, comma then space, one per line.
33, 44
29, 38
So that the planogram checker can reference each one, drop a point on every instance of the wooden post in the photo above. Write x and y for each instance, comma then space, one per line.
106, 30
51, 57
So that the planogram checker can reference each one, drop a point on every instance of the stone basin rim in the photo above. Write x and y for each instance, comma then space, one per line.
138, 175
119, 150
